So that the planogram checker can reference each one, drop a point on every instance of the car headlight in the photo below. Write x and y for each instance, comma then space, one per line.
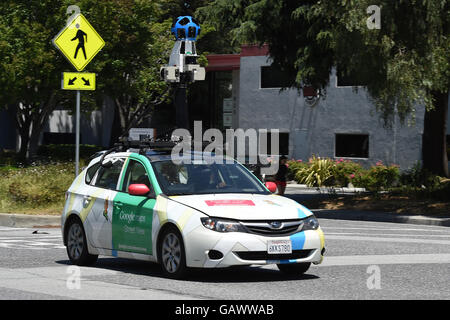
220, 225
310, 223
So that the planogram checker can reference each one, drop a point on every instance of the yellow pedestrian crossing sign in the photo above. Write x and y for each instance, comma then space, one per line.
78, 81
79, 42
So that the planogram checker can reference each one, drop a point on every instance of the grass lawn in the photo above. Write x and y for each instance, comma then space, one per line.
36, 189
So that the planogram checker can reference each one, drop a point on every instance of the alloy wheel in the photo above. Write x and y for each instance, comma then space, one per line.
75, 241
171, 253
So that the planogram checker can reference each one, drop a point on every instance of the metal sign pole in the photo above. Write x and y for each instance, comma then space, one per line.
77, 135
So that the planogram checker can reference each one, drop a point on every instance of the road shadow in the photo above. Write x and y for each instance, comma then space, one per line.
236, 274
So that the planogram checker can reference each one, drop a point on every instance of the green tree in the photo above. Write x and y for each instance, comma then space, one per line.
137, 44
403, 64
30, 69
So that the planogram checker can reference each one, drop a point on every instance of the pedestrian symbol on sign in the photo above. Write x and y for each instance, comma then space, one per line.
79, 42
80, 36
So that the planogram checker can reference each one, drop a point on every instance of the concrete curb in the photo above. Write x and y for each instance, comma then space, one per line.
326, 190
381, 217
17, 220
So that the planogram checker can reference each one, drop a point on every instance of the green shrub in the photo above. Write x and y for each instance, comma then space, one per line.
66, 152
419, 177
345, 172
35, 186
318, 172
293, 167
441, 192
380, 177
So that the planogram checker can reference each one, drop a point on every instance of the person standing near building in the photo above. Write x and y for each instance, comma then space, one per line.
280, 177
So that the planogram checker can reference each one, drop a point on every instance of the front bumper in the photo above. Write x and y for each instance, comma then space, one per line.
210, 249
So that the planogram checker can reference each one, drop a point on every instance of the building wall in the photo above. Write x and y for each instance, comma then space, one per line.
95, 127
8, 132
312, 129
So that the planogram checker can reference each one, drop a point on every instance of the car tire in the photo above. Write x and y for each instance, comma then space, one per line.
294, 268
77, 245
172, 256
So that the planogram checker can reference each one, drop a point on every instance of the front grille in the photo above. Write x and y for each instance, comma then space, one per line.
266, 228
263, 255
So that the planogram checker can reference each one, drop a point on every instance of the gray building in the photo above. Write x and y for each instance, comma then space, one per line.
344, 124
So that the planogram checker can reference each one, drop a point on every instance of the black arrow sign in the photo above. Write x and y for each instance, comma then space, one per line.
71, 81
86, 82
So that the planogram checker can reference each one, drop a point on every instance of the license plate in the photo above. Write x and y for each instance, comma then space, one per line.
279, 246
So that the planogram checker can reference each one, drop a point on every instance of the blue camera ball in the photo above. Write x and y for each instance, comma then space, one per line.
185, 28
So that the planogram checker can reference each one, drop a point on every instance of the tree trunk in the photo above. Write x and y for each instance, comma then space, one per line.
23, 126
434, 146
24, 140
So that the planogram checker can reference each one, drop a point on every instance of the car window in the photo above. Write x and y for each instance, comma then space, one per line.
90, 173
203, 178
108, 176
135, 173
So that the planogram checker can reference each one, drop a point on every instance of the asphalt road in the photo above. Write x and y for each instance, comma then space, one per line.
364, 260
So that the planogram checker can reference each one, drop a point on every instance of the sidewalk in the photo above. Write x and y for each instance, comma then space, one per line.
300, 193
381, 217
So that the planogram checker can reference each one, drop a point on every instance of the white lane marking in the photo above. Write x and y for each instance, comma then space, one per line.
388, 234
383, 229
12, 229
359, 238
31, 244
385, 259
30, 237
53, 281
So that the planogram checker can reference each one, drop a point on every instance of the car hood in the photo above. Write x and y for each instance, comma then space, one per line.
245, 206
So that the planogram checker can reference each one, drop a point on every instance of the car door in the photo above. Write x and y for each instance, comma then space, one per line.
100, 200
133, 215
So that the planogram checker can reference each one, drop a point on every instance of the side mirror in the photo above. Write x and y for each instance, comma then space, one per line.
271, 186
138, 189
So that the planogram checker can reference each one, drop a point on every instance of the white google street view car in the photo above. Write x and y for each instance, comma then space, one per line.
194, 214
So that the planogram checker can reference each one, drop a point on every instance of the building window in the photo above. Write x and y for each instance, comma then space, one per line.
352, 145
273, 77
283, 143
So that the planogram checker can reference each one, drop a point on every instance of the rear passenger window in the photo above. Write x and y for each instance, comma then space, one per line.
108, 175
91, 172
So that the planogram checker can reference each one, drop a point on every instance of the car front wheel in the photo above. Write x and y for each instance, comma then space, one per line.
77, 245
172, 254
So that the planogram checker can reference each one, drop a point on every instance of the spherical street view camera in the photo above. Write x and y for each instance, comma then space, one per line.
183, 67
185, 28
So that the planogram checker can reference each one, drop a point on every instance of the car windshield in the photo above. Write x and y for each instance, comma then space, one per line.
200, 177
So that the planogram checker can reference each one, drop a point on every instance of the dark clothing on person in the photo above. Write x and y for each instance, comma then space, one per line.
282, 172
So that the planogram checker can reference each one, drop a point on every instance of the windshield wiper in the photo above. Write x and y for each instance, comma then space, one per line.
180, 194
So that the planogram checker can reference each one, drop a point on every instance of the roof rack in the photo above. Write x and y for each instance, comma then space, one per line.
145, 145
